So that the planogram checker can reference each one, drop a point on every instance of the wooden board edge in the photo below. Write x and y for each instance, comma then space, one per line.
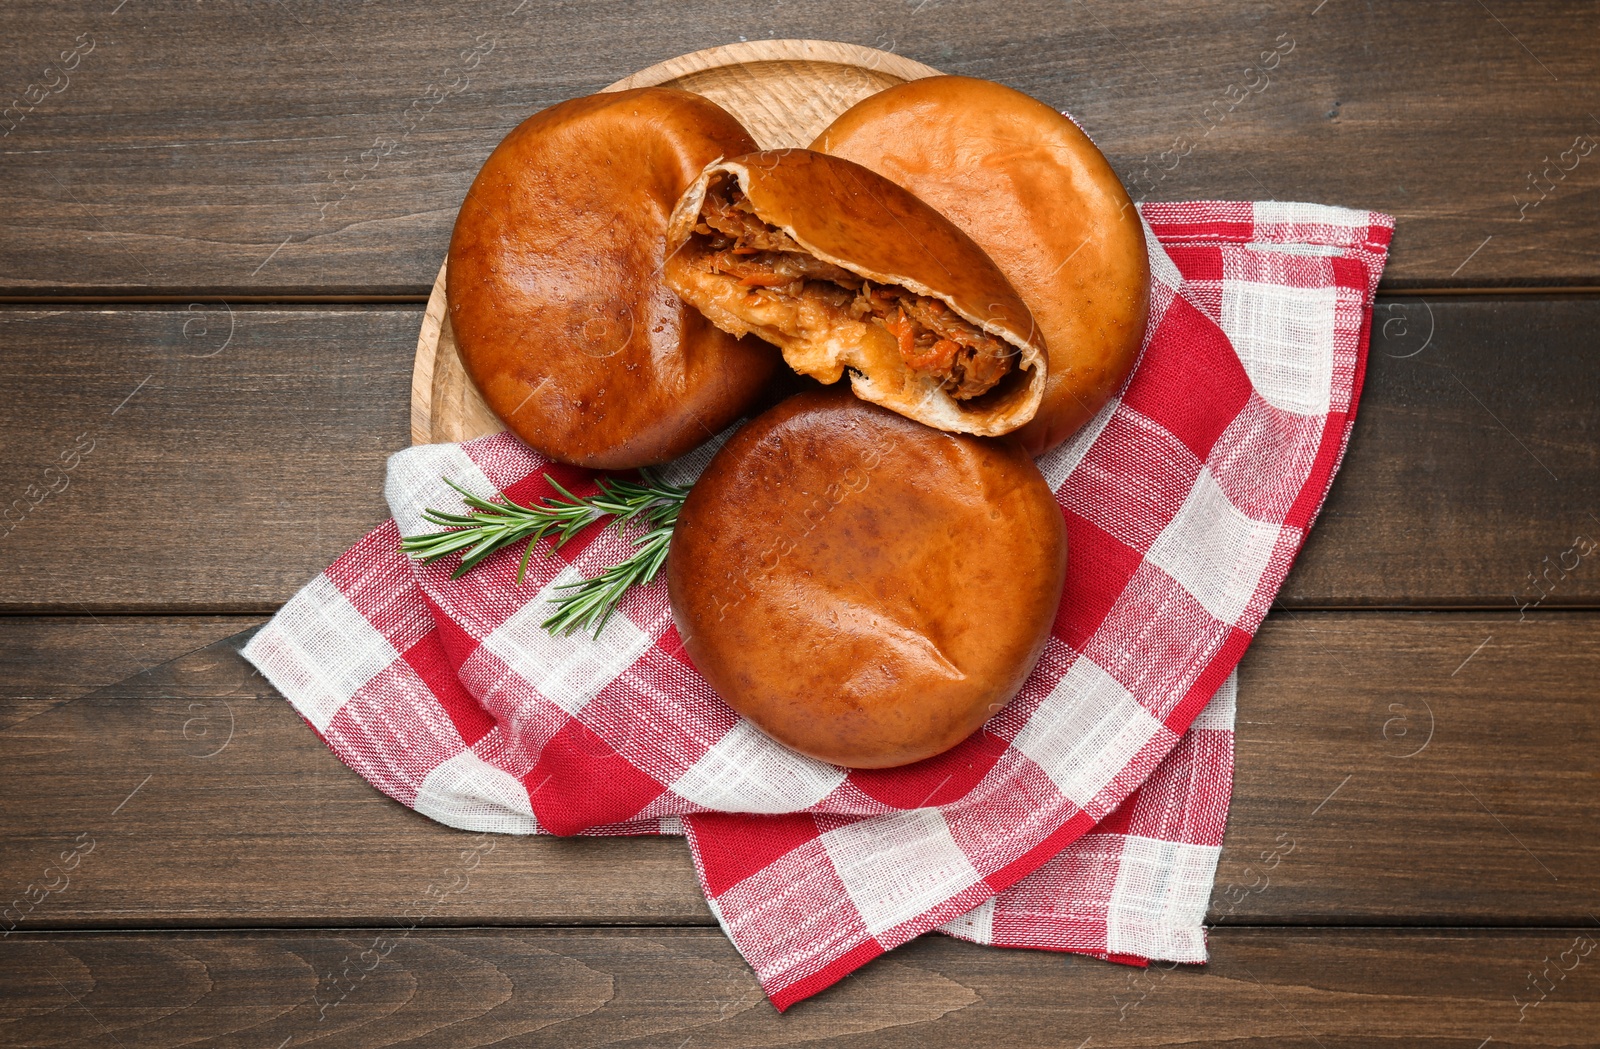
776, 51
423, 368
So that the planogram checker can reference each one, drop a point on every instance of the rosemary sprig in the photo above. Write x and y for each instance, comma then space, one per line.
588, 603
491, 525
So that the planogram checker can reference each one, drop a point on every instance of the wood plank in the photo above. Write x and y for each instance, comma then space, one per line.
1278, 987
1468, 481
295, 148
47, 660
1404, 767
209, 801
1471, 474
1415, 767
224, 455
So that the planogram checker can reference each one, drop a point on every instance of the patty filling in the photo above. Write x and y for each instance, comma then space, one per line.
933, 340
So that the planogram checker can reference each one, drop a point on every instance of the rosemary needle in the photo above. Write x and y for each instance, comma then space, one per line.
491, 525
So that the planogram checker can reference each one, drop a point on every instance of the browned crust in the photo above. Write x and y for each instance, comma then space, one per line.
865, 589
1031, 188
851, 217
555, 290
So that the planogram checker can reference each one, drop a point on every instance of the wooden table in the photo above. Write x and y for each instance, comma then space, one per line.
222, 221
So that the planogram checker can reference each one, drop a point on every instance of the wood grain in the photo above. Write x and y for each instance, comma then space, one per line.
784, 92
297, 149
47, 660
1470, 475
231, 453
211, 802
1401, 764
575, 988
1407, 768
1474, 464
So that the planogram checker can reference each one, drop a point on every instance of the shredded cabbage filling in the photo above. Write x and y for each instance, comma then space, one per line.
933, 340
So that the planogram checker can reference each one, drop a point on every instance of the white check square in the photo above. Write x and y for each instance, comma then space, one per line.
469, 793
1086, 732
319, 650
745, 771
415, 482
976, 925
1158, 905
1284, 337
898, 867
569, 670
1214, 551
1219, 713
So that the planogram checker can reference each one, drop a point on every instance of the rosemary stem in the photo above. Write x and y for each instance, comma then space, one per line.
490, 525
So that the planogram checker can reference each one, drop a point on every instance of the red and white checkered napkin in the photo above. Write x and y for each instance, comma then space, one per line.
1087, 816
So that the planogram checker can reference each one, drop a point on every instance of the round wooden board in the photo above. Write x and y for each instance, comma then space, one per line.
784, 91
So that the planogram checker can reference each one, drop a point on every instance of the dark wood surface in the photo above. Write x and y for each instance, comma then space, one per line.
1296, 989
1390, 764
49, 660
277, 421
300, 148
237, 183
1473, 468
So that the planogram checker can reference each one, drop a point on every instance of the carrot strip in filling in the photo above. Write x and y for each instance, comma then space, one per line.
933, 340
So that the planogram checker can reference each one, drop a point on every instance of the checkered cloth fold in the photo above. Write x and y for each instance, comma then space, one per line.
1087, 816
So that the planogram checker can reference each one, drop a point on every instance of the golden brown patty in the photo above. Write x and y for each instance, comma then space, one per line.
555, 291
841, 268
865, 589
1026, 184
